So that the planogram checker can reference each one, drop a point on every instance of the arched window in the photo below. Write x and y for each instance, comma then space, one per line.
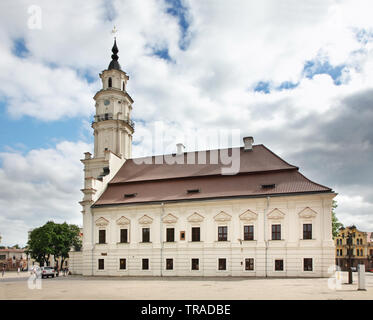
123, 85
110, 83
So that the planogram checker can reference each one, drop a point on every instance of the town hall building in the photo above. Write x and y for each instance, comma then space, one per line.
145, 217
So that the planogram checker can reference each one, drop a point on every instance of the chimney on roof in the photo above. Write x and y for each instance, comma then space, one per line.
248, 143
180, 148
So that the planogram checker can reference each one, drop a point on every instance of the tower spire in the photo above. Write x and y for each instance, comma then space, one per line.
114, 64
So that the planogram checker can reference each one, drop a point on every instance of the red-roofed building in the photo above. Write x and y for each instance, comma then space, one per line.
231, 212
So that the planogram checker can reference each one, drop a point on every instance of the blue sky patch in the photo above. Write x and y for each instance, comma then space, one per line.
313, 67
287, 85
262, 86
177, 9
162, 53
36, 134
19, 48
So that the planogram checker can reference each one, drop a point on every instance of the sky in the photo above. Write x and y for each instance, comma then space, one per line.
295, 75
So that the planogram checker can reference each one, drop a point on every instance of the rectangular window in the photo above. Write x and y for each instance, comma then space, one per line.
195, 264
3, 257
249, 264
101, 236
279, 265
222, 233
170, 235
182, 235
145, 264
122, 264
276, 232
248, 232
169, 264
222, 264
196, 236
145, 235
101, 264
123, 235
307, 231
307, 264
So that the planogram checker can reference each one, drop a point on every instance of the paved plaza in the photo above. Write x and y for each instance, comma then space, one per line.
14, 286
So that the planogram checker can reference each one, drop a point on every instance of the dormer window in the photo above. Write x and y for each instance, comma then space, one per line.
189, 191
130, 195
110, 83
268, 186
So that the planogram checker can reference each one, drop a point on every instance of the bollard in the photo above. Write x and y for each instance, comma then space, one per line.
361, 277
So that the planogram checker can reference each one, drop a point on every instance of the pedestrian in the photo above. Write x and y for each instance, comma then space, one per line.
18, 270
3, 271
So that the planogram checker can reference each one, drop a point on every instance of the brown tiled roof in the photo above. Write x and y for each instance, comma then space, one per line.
258, 160
164, 182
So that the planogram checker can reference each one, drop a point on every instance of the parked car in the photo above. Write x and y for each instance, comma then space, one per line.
47, 272
369, 270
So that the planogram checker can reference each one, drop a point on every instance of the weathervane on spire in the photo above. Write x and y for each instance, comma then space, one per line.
114, 31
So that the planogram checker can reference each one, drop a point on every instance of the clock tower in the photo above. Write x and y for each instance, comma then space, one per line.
113, 127
113, 130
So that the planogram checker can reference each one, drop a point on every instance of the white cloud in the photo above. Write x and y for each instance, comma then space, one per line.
38, 186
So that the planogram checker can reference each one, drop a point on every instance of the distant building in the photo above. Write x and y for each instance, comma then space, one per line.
362, 248
13, 258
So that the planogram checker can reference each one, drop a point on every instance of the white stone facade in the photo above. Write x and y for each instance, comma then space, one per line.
291, 212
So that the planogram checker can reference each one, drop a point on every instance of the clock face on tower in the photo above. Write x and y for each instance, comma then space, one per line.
106, 102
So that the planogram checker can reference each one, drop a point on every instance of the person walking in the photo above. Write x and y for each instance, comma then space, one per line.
18, 270
3, 271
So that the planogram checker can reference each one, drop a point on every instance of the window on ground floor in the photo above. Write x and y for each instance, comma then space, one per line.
249, 264
222, 264
195, 264
279, 265
169, 264
122, 264
101, 264
145, 264
307, 264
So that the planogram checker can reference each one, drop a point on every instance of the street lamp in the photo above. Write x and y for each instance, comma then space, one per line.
349, 242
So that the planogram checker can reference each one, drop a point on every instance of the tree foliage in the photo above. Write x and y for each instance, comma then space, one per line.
53, 239
336, 225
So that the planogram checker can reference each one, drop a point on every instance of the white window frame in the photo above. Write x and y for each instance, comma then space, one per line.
226, 264
122, 270
283, 264
244, 264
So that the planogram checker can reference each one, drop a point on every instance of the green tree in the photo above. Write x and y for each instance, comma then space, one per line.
53, 239
39, 244
336, 225
64, 238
